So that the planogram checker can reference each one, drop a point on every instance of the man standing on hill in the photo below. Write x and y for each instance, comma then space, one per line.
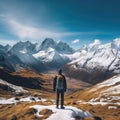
60, 86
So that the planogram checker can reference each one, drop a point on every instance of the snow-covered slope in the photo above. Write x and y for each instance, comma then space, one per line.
23, 47
4, 62
20, 56
14, 88
107, 92
52, 58
54, 54
112, 86
30, 62
96, 61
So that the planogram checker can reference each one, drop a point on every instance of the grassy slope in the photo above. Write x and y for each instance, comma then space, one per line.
21, 111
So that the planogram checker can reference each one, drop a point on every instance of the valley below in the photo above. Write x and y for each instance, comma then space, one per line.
83, 100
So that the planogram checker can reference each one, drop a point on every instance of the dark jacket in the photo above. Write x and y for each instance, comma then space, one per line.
55, 81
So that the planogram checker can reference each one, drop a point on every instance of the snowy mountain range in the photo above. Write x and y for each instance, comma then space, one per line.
91, 63
39, 57
96, 62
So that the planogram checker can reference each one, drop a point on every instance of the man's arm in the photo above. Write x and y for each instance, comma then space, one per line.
65, 84
54, 83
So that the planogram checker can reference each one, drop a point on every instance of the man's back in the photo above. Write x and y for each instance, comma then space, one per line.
60, 86
60, 82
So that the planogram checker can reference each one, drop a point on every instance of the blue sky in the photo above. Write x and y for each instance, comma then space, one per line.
76, 22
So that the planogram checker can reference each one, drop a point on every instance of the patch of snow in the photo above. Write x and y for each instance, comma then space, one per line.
26, 99
30, 99
93, 103
53, 101
43, 100
115, 98
105, 98
112, 107
98, 103
24, 51
113, 90
45, 55
69, 113
8, 101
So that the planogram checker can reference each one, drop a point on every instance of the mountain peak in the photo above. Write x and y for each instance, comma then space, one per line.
58, 46
23, 43
4, 48
64, 47
48, 42
20, 46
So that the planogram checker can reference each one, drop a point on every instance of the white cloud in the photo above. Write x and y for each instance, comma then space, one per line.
36, 34
33, 33
75, 41
27, 32
96, 42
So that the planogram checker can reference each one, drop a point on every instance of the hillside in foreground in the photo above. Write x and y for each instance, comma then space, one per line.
99, 102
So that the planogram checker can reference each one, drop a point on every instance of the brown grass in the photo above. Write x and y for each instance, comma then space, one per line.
22, 111
102, 112
46, 113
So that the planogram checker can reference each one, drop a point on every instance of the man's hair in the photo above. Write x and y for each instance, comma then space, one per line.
60, 71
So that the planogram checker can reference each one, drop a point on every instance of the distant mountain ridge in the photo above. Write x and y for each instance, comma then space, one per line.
91, 63
58, 46
28, 55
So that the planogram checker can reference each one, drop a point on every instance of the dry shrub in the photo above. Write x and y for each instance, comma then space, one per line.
31, 111
14, 118
46, 113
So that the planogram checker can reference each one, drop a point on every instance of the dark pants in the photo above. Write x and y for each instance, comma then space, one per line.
60, 93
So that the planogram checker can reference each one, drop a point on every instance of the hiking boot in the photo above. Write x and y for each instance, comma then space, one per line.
62, 107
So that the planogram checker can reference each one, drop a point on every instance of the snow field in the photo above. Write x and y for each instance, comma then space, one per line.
69, 113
